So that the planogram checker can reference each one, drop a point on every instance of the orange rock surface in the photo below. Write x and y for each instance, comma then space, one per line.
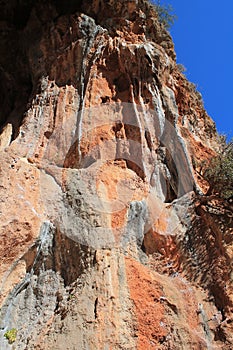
106, 241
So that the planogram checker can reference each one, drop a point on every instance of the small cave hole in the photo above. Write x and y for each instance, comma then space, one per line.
118, 126
95, 308
48, 134
122, 83
105, 99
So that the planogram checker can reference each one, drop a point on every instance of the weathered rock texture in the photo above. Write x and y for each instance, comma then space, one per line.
105, 243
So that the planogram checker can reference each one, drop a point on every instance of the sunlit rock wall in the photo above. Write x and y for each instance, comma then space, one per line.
104, 242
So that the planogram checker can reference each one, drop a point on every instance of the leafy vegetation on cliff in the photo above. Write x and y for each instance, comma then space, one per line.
165, 13
10, 335
219, 171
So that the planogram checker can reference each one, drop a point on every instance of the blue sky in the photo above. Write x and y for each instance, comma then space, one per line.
203, 37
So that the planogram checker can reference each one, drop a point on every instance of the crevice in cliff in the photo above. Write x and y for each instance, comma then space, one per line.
95, 308
169, 172
172, 182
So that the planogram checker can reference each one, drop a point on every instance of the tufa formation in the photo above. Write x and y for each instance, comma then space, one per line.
107, 238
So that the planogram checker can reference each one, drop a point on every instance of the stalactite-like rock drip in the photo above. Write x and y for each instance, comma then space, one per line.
104, 240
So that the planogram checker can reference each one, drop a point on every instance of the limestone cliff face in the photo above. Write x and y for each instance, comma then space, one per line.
105, 243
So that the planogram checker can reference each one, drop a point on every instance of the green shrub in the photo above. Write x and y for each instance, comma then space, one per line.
194, 88
181, 68
218, 172
165, 14
10, 335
